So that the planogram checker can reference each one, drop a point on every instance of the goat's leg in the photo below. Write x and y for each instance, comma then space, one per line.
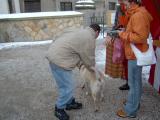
95, 102
88, 90
82, 85
102, 95
102, 91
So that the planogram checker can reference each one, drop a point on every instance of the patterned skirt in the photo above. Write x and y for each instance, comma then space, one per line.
114, 70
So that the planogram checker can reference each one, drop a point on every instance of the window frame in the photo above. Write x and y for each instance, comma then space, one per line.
63, 6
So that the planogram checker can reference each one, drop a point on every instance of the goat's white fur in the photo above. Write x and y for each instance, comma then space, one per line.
95, 81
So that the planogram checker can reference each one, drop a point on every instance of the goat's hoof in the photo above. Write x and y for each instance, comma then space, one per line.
96, 110
82, 87
102, 99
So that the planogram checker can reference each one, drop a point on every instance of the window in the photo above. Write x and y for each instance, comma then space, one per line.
32, 5
112, 6
66, 6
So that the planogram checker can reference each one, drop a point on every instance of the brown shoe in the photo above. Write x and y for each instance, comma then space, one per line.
124, 101
121, 113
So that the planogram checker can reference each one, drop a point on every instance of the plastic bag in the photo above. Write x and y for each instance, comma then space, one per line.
118, 51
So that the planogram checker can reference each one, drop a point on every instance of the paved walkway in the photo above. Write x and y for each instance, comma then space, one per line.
28, 92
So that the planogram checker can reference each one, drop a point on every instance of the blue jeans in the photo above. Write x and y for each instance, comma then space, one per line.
65, 85
135, 91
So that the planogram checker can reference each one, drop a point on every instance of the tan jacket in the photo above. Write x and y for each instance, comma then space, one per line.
137, 31
73, 47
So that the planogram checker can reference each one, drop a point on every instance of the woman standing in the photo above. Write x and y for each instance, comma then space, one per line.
117, 70
137, 32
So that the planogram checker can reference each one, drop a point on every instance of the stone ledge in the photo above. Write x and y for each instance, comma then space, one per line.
25, 27
38, 15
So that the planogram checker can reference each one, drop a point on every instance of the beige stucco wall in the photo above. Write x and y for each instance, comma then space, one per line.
37, 28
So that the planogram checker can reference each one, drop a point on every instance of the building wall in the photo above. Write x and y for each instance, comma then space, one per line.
4, 9
54, 5
109, 13
48, 5
102, 8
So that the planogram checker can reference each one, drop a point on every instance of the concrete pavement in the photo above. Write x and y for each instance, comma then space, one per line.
28, 92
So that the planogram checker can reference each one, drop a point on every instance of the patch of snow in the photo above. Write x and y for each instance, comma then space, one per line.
38, 14
22, 44
84, 5
85, 1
